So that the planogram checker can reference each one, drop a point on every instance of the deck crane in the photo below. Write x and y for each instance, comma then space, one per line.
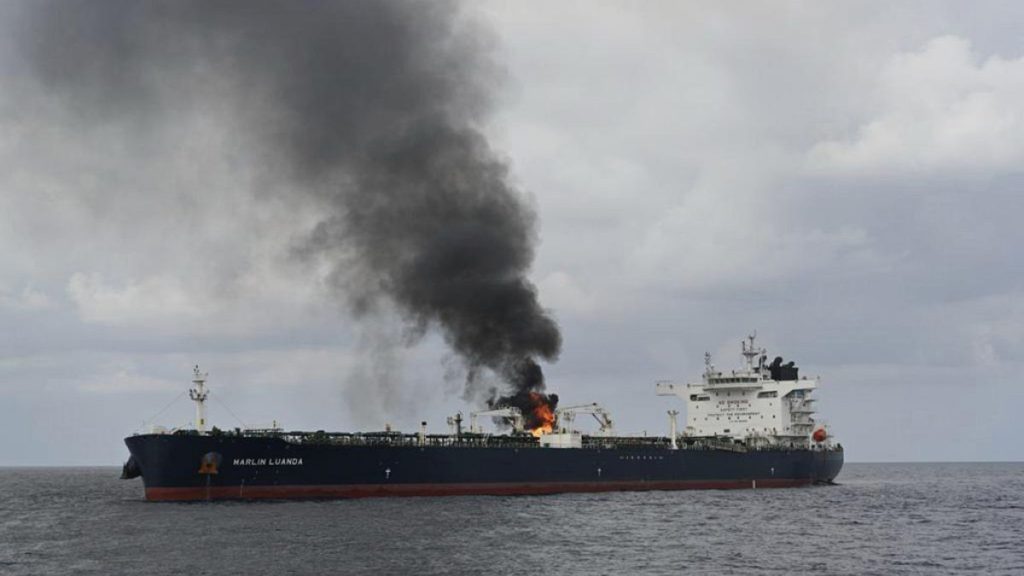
509, 412
567, 414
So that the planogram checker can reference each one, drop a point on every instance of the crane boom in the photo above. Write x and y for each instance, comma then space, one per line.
509, 412
567, 415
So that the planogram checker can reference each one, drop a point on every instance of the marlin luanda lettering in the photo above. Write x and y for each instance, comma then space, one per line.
267, 462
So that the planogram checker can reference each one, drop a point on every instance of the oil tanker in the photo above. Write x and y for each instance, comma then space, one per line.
747, 428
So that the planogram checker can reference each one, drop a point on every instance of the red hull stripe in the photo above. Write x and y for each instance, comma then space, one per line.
489, 489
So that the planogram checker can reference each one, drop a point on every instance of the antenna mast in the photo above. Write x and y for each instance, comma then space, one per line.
750, 352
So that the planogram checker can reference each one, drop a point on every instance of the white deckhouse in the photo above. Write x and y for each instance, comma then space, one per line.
760, 403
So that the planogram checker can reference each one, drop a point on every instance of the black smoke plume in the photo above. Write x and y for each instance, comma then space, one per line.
374, 109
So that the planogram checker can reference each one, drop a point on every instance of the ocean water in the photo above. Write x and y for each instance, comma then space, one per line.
882, 519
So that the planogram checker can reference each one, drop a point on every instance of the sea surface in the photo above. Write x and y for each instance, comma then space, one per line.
882, 519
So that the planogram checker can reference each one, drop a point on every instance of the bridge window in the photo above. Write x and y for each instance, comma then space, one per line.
772, 394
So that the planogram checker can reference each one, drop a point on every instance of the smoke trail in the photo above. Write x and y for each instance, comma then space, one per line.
374, 108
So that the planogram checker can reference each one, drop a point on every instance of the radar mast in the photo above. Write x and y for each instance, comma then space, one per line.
751, 352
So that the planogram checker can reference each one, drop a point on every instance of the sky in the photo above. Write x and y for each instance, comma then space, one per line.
843, 179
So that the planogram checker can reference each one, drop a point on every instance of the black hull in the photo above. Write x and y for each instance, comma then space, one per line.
194, 467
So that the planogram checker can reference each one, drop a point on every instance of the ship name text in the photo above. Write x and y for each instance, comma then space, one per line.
267, 462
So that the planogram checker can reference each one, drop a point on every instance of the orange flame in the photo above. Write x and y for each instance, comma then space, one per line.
541, 412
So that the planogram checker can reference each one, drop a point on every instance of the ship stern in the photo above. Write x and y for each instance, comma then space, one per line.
828, 465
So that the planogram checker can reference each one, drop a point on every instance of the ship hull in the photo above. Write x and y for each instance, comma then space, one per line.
194, 467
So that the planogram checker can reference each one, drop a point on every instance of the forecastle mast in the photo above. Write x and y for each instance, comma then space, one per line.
198, 395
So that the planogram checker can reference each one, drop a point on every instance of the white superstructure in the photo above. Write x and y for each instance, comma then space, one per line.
760, 403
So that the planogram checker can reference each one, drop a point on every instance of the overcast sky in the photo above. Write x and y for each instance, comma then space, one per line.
843, 179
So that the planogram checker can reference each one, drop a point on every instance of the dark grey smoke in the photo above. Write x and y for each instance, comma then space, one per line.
373, 107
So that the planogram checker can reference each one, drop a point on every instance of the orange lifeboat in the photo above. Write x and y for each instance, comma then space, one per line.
819, 435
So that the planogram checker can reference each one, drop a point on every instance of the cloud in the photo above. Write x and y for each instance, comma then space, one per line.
941, 108
127, 381
995, 325
736, 231
155, 298
28, 299
564, 293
